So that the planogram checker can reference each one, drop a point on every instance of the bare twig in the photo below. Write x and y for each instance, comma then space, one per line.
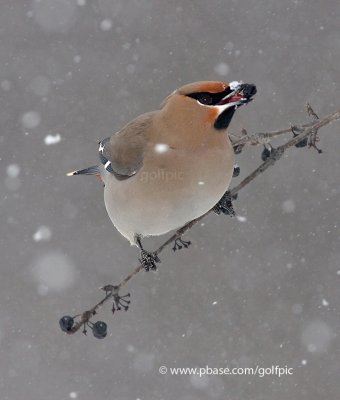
313, 137
311, 112
307, 131
265, 137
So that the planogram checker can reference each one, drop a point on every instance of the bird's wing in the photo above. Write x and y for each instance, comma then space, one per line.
122, 154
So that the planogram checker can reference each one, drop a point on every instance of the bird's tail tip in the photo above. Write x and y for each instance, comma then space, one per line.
94, 170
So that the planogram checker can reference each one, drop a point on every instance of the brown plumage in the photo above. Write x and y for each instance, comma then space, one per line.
170, 166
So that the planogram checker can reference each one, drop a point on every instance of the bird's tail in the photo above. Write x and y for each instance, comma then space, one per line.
94, 170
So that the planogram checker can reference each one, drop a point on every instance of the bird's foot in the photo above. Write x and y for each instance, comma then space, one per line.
149, 260
236, 171
119, 302
225, 205
180, 243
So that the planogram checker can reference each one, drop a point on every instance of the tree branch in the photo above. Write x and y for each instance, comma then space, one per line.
266, 137
307, 131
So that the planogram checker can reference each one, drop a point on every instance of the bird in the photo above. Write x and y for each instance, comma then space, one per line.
172, 165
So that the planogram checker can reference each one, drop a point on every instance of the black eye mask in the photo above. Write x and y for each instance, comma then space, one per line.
210, 99
241, 94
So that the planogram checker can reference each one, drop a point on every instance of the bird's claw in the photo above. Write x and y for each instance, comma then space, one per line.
149, 260
225, 205
180, 243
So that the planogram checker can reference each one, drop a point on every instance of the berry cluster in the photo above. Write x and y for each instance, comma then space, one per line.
236, 171
69, 324
296, 131
266, 153
99, 329
269, 151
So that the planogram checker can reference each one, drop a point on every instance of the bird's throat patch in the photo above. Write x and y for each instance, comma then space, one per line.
224, 119
212, 115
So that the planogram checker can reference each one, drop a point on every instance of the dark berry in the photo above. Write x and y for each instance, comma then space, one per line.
238, 149
99, 330
265, 154
236, 171
66, 323
303, 143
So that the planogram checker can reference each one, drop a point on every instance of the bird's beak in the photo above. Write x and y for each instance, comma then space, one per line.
94, 170
242, 93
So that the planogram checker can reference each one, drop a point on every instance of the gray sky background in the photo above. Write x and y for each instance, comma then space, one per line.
264, 291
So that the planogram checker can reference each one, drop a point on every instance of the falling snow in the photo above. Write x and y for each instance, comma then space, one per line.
52, 139
6, 85
13, 181
43, 234
234, 84
288, 206
317, 337
144, 362
261, 288
13, 170
30, 120
54, 270
106, 25
222, 69
161, 148
297, 309
54, 16
325, 303
77, 59
199, 382
40, 86
228, 46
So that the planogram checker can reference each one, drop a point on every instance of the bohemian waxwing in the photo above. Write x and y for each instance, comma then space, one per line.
170, 166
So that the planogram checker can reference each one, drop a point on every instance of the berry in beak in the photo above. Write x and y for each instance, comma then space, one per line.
242, 93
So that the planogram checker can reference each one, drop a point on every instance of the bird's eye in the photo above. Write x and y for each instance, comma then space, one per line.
205, 99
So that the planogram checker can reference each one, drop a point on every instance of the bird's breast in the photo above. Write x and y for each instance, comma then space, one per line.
173, 187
